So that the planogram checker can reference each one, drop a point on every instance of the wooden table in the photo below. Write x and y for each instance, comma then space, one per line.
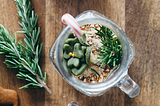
140, 19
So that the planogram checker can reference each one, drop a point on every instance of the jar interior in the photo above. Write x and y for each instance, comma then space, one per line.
114, 76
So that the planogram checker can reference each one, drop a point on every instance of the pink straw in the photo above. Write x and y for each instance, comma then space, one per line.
67, 19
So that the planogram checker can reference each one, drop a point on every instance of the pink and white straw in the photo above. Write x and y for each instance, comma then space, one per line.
67, 19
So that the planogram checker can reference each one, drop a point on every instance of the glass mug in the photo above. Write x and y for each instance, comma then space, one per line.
117, 78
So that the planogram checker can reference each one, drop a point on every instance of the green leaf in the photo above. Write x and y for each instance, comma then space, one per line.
31, 85
100, 33
28, 44
45, 74
111, 47
102, 59
37, 36
102, 54
94, 72
37, 54
20, 56
25, 47
40, 51
26, 67
2, 52
40, 71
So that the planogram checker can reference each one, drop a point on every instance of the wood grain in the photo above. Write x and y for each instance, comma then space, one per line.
27, 97
139, 19
62, 92
142, 25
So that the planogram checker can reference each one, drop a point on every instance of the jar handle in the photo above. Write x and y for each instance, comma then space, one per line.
128, 86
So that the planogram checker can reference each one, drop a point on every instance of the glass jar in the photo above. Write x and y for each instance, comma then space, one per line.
117, 78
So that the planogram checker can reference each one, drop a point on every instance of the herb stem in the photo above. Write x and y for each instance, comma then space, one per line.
24, 58
44, 85
111, 50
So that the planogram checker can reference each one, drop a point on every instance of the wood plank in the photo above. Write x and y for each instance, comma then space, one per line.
50, 13
62, 92
143, 27
27, 97
140, 20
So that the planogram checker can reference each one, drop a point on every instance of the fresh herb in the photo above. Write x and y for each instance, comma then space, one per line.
111, 50
17, 55
94, 72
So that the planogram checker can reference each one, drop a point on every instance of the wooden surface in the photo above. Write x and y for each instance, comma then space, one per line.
139, 19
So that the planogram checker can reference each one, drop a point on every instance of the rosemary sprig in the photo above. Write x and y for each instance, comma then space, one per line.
94, 72
17, 55
111, 50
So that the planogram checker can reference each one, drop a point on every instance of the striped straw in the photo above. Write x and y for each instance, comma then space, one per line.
67, 19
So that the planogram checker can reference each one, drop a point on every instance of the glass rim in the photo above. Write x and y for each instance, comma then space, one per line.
105, 84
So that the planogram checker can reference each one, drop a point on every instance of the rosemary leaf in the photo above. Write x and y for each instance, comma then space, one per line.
17, 55
111, 50
94, 72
